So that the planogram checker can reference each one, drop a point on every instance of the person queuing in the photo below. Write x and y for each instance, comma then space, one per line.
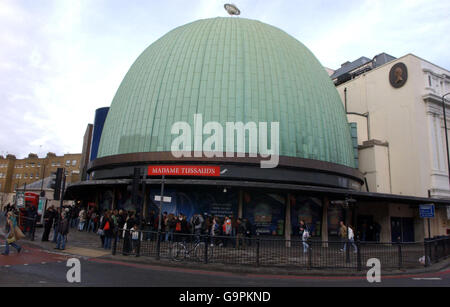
63, 231
49, 218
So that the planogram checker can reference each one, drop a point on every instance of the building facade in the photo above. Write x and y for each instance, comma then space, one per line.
397, 107
16, 173
231, 70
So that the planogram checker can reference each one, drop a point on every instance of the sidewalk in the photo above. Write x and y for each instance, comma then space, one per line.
89, 245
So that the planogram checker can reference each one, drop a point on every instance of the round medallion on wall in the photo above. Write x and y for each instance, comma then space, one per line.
398, 75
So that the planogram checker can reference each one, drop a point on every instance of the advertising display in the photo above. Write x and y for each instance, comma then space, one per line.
198, 200
266, 212
310, 211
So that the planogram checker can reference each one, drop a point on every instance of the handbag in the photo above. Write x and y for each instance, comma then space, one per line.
11, 238
100, 232
18, 233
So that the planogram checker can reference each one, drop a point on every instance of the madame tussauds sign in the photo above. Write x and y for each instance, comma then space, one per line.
184, 170
208, 140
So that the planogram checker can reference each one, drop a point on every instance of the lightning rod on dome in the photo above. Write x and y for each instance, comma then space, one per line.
232, 9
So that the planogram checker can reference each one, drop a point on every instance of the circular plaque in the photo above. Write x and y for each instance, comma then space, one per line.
398, 75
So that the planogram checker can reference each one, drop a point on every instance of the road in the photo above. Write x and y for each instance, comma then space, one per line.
37, 267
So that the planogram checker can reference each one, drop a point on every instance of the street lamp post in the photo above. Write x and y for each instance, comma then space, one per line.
446, 135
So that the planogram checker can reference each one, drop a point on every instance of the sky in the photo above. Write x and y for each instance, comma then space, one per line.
60, 60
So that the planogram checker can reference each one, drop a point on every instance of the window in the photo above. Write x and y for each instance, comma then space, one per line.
31, 176
68, 162
53, 164
429, 80
74, 162
0, 186
25, 176
39, 165
17, 176
37, 175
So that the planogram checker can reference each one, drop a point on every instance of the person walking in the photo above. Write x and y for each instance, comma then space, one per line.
13, 233
305, 235
343, 235
63, 231
351, 239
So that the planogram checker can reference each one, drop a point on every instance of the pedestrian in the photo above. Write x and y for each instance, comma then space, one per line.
135, 237
241, 230
343, 234
63, 231
49, 217
305, 234
13, 233
108, 230
82, 218
214, 230
55, 225
129, 224
351, 239
197, 226
227, 228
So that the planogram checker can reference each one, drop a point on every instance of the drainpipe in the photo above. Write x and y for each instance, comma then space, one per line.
345, 99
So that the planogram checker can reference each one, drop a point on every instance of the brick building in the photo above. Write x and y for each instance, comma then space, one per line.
16, 173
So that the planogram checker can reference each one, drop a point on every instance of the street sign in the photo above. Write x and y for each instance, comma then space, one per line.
42, 201
426, 211
166, 199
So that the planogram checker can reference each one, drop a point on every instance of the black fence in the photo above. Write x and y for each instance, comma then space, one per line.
275, 252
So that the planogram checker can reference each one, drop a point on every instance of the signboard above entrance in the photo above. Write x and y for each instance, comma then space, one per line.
184, 170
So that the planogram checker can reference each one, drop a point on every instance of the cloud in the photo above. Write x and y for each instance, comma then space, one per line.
62, 59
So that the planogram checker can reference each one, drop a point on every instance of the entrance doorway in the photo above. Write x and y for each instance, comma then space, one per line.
365, 228
402, 229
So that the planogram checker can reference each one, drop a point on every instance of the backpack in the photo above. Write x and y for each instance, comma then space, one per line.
197, 221
178, 226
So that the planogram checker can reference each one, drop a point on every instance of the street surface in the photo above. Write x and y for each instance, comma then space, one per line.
37, 267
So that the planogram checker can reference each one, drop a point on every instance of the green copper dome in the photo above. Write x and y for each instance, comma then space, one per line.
229, 70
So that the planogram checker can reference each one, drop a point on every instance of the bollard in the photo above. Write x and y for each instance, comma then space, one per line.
309, 257
257, 250
115, 244
347, 251
158, 247
138, 247
33, 228
358, 256
427, 259
206, 249
400, 258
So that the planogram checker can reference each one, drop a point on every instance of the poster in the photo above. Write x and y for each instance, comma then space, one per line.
309, 210
265, 211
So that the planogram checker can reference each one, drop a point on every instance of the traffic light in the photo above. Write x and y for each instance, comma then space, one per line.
56, 184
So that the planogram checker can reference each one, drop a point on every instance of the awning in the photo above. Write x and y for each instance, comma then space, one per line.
87, 187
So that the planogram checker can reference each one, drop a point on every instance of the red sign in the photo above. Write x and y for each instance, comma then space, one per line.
184, 170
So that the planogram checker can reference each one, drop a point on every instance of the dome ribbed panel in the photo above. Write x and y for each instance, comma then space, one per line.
228, 70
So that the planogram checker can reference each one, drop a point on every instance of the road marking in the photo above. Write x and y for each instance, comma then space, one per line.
430, 278
25, 264
43, 262
7, 266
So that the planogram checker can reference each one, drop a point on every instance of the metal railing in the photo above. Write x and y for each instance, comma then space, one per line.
275, 252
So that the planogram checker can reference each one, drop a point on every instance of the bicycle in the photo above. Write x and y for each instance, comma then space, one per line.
180, 251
